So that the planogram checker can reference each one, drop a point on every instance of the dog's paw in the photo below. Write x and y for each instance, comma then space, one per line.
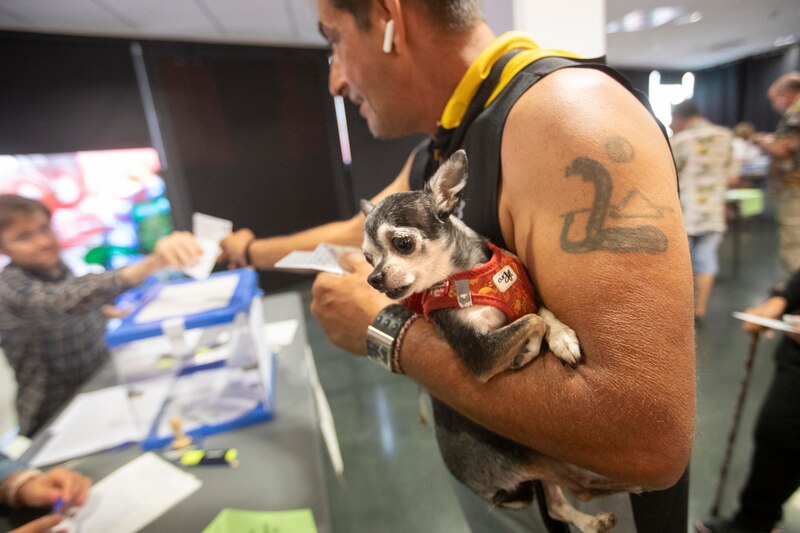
564, 344
601, 523
531, 348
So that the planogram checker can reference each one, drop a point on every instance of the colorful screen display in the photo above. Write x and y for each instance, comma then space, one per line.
109, 206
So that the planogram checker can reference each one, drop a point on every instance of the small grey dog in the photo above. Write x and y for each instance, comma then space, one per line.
417, 247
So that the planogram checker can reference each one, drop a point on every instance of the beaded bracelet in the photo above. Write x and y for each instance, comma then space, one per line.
398, 344
16, 482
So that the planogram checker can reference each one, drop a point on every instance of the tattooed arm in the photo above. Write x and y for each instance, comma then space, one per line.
589, 202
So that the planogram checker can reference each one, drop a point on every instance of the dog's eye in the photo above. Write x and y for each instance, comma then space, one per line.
368, 258
404, 244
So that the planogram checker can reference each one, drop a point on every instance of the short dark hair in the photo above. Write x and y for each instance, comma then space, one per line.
13, 206
454, 15
790, 82
685, 109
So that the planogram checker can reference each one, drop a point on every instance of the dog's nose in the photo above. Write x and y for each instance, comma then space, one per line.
376, 279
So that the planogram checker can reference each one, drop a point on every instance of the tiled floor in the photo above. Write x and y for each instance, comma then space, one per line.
395, 481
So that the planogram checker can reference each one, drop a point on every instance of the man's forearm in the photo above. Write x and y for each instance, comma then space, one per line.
136, 273
575, 415
264, 253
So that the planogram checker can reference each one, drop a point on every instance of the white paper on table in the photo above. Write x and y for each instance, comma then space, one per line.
103, 419
324, 258
281, 333
209, 231
134, 495
182, 299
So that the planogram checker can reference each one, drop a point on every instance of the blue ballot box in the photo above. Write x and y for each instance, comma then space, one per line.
202, 344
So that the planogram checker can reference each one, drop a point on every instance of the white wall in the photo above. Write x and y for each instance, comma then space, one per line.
575, 25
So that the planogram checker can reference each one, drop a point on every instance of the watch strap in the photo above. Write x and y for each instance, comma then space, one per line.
383, 334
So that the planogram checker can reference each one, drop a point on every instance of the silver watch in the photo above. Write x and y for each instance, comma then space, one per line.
382, 334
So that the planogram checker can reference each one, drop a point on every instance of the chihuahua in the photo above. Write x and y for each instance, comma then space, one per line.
481, 301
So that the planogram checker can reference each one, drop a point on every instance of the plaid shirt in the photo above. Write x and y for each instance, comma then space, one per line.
51, 329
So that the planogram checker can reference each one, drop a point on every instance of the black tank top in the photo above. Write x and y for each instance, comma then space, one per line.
480, 134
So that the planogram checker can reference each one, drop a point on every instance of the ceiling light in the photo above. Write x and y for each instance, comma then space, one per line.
786, 40
644, 19
689, 18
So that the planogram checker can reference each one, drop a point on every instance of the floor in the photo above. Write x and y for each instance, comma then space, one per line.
394, 478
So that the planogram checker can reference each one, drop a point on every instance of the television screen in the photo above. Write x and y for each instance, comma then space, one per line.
109, 206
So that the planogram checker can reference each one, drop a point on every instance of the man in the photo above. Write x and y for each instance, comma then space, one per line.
784, 147
21, 486
704, 159
775, 464
588, 201
51, 322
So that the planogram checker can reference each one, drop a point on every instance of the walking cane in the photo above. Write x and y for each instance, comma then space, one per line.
737, 415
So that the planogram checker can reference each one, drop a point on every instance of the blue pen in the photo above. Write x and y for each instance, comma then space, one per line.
58, 505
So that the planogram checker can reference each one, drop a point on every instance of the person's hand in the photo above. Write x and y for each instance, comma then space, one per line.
234, 246
44, 489
110, 311
40, 525
346, 305
771, 308
178, 250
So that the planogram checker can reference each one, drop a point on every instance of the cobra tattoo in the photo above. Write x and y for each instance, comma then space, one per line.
636, 239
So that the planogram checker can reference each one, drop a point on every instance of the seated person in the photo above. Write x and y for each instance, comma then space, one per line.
51, 322
20, 486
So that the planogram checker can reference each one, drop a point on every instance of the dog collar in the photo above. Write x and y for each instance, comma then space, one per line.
501, 282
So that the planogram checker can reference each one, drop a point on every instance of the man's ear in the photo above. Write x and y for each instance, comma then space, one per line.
447, 184
366, 207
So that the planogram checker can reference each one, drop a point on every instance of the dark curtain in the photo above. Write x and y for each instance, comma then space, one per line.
718, 93
63, 94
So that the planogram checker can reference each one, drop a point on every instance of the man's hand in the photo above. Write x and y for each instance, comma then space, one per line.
178, 250
40, 525
234, 246
346, 305
771, 308
59, 482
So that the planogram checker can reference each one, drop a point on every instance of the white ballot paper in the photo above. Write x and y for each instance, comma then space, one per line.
132, 496
182, 299
209, 231
767, 322
103, 419
324, 258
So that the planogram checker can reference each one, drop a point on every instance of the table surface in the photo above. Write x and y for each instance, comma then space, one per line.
281, 461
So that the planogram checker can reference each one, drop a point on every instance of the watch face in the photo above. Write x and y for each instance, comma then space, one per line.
379, 347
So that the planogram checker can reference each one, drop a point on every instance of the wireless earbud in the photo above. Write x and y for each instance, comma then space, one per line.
388, 35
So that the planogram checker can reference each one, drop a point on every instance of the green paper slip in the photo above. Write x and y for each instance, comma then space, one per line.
241, 521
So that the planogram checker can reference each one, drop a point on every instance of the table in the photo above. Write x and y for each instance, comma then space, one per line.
281, 460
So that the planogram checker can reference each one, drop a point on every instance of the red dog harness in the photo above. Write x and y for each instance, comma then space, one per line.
501, 282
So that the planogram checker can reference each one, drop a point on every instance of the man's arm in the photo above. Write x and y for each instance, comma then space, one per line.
571, 171
264, 253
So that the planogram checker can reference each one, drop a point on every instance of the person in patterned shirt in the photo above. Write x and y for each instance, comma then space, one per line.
52, 322
704, 159
784, 147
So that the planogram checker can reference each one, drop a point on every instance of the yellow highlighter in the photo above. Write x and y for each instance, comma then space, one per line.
227, 456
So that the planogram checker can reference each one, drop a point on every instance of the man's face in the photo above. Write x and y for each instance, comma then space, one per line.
782, 100
360, 70
30, 242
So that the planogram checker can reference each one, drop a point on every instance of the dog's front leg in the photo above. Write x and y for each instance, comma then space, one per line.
561, 338
560, 508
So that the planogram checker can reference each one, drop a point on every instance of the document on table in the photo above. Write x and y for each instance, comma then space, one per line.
280, 334
103, 419
238, 520
209, 231
182, 299
134, 495
766, 322
324, 258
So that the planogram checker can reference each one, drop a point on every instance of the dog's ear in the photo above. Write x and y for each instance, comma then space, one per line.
366, 207
447, 184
